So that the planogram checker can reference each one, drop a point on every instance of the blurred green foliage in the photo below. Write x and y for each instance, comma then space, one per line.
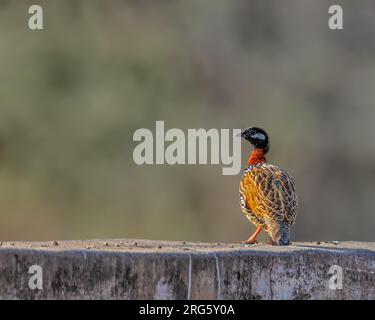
73, 94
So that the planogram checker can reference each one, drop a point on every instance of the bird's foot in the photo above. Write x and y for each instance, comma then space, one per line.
274, 243
248, 242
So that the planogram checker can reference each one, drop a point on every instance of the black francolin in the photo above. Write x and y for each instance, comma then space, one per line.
267, 193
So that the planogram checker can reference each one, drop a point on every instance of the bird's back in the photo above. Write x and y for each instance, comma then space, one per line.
269, 193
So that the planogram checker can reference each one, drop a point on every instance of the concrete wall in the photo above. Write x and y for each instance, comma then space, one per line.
139, 269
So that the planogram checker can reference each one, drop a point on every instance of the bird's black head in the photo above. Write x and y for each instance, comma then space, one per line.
257, 137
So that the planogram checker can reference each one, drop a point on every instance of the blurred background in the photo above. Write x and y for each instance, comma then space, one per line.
73, 94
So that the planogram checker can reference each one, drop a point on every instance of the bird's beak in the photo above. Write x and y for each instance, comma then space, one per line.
238, 134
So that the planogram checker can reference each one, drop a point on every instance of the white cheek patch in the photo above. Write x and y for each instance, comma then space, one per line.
259, 136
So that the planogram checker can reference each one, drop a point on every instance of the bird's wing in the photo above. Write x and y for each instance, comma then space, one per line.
270, 193
254, 218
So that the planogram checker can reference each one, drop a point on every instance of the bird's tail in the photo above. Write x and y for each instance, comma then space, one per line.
280, 233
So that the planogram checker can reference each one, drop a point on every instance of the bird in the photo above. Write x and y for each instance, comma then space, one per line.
268, 195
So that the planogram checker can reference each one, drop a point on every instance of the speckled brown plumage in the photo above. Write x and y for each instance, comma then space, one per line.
268, 198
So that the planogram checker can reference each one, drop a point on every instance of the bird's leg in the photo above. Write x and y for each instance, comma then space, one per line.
271, 242
253, 238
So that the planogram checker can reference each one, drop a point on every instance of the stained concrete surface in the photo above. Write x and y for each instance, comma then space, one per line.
145, 269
